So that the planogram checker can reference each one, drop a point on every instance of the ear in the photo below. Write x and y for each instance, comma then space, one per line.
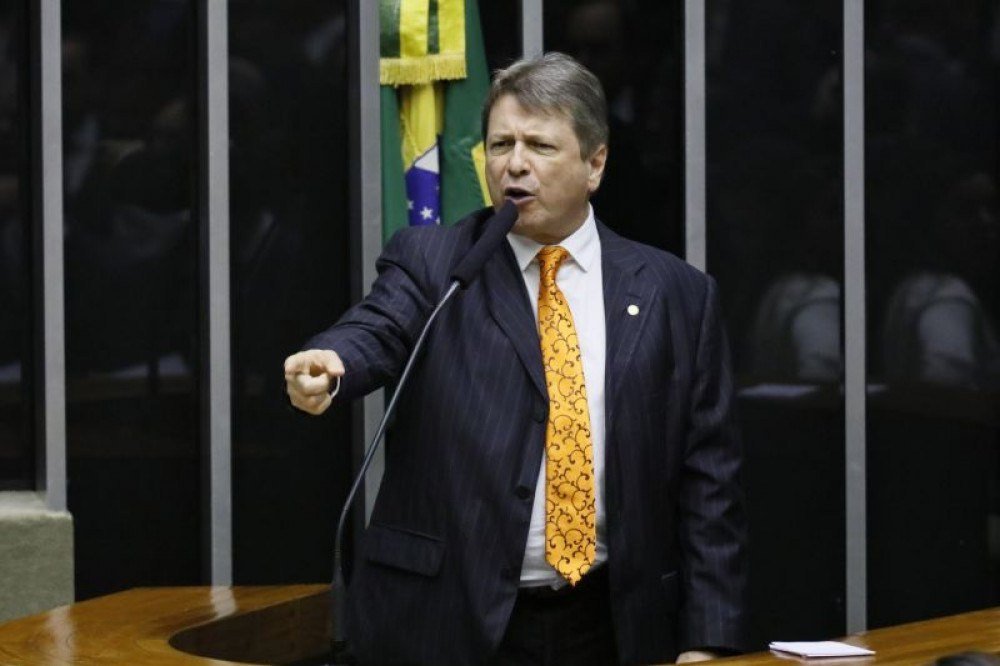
596, 163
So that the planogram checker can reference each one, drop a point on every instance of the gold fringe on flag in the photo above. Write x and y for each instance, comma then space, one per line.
422, 58
422, 69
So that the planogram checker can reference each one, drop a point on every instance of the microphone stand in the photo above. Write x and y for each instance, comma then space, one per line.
337, 589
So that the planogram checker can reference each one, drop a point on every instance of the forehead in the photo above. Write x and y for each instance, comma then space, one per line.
508, 114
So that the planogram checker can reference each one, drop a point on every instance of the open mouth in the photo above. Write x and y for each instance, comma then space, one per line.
517, 194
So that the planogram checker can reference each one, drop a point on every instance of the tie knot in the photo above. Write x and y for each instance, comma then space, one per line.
550, 258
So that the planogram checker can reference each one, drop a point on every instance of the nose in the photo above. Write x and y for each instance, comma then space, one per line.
517, 164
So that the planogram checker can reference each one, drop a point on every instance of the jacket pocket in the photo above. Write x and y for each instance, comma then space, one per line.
671, 589
401, 549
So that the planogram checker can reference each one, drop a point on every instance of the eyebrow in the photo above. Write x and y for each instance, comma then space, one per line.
528, 135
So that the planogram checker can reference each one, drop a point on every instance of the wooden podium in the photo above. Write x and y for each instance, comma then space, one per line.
285, 624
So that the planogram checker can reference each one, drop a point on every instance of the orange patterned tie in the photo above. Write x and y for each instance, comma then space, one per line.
570, 514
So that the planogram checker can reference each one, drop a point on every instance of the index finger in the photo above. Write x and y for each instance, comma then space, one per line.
294, 364
308, 362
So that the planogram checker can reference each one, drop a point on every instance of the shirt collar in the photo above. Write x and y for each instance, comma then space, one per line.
583, 245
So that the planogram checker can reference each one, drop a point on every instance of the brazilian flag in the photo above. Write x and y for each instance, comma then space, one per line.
434, 79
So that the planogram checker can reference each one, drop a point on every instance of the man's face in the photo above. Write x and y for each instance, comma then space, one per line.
534, 160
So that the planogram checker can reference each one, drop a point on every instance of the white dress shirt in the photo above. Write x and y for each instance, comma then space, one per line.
580, 280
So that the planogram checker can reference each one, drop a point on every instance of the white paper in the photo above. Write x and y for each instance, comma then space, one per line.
820, 649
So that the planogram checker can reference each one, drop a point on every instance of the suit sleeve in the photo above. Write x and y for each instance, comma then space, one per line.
374, 337
711, 506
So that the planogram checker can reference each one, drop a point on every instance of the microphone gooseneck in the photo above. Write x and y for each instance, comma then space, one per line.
494, 233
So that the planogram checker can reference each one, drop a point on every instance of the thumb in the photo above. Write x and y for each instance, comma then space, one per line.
334, 366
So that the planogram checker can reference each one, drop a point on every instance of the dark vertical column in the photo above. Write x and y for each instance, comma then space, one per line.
932, 259
290, 265
22, 427
132, 224
775, 179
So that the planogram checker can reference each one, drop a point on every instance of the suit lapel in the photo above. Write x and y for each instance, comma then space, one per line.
510, 307
621, 266
624, 294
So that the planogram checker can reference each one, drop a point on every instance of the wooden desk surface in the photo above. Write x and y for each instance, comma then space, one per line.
155, 626
227, 625
915, 644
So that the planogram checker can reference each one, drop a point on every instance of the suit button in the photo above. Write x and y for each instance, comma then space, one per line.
522, 492
506, 573
539, 412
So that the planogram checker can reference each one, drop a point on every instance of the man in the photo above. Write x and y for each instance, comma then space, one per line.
561, 480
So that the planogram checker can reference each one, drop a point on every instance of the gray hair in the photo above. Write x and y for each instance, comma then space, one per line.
555, 83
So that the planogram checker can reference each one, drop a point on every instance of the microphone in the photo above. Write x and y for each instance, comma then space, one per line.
497, 228
494, 233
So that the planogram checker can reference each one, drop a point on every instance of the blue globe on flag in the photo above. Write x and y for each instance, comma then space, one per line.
423, 189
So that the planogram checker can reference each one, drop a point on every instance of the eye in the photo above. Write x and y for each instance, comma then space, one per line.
499, 145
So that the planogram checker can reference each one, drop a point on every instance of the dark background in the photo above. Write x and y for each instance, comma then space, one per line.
17, 459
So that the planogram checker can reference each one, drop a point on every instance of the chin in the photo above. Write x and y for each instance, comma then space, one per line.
525, 228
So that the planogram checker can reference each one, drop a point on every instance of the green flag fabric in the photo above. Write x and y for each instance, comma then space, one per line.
394, 202
463, 160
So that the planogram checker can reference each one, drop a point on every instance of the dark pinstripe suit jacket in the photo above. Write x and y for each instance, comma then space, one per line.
436, 576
